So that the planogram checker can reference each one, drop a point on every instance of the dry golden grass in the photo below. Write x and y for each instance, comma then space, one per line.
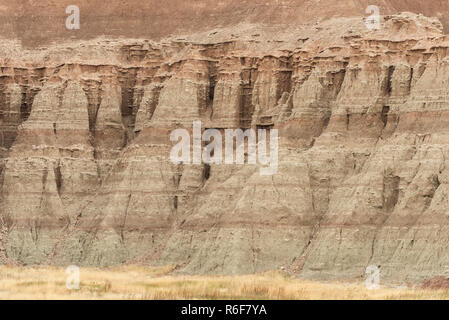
138, 282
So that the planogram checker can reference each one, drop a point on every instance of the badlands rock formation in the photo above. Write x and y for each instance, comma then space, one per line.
363, 120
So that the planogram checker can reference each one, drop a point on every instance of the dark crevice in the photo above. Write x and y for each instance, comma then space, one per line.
125, 140
175, 202
93, 92
248, 78
334, 81
58, 177
211, 89
3, 102
312, 143
7, 136
429, 196
390, 192
178, 175
127, 79
284, 78
388, 86
326, 122
436, 182
384, 115
410, 81
28, 95
206, 172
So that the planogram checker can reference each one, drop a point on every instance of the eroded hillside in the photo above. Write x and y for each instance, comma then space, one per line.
363, 130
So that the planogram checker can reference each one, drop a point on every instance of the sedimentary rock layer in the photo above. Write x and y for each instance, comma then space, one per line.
363, 139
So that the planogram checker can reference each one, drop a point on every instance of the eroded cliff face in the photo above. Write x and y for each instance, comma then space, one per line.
363, 120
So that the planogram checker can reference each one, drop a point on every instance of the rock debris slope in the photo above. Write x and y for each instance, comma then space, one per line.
363, 119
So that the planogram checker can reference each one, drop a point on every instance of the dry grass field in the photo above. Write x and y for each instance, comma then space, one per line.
139, 282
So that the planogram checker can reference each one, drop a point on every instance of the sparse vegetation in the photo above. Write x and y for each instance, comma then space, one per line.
139, 282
